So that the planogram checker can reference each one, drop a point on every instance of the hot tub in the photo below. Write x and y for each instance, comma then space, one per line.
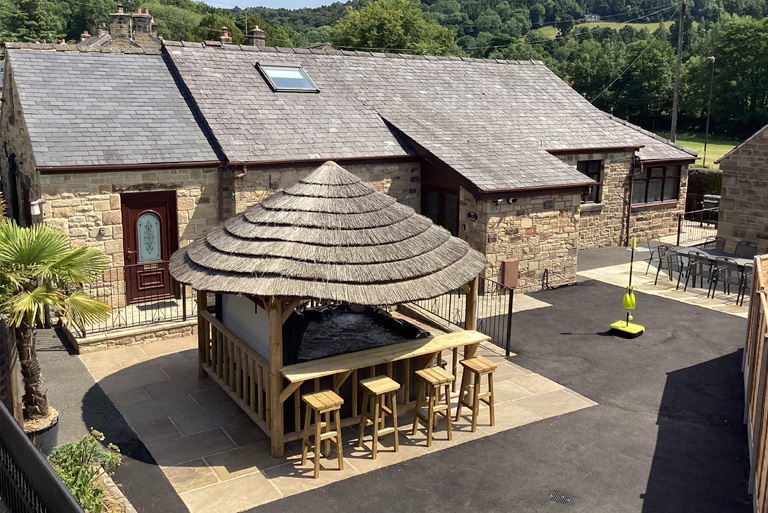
337, 329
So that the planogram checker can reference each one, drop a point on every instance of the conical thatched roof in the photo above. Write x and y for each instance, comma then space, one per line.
330, 236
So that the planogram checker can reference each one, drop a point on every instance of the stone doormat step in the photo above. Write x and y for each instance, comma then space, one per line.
218, 460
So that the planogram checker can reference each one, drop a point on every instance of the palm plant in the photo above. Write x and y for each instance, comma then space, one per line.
39, 268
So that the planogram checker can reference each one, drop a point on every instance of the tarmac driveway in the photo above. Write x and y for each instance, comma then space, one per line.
667, 434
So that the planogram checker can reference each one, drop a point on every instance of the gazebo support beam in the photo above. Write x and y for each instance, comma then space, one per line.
277, 433
470, 315
202, 333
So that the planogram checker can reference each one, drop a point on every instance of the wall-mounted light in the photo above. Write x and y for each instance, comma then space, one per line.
35, 210
511, 200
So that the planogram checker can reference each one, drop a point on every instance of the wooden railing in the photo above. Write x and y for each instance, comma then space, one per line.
756, 385
237, 368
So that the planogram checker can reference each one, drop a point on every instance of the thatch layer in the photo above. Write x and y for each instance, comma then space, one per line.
330, 236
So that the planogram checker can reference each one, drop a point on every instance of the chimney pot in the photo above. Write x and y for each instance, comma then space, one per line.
63, 41
119, 8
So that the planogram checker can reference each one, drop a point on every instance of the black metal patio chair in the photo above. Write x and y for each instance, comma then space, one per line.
653, 241
746, 282
669, 260
717, 243
745, 249
726, 272
698, 266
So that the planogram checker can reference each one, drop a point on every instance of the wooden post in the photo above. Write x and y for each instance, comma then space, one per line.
471, 314
202, 333
275, 311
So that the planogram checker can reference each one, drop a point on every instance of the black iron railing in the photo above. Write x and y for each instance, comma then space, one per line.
27, 482
696, 226
139, 301
494, 310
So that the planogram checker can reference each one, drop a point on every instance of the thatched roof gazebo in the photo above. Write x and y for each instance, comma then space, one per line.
328, 237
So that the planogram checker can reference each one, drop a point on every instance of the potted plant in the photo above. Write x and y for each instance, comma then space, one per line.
40, 268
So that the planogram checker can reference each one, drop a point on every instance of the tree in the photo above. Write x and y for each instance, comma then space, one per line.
32, 20
174, 22
740, 95
209, 29
38, 269
645, 90
87, 15
395, 26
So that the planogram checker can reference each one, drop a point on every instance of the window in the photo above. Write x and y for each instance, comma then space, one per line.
591, 168
287, 77
656, 184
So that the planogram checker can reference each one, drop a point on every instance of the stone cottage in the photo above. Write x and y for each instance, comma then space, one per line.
744, 197
151, 145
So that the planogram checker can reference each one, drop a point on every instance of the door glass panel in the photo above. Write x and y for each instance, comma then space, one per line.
148, 230
451, 213
430, 205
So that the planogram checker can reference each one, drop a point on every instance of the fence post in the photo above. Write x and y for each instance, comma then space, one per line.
509, 320
679, 227
183, 302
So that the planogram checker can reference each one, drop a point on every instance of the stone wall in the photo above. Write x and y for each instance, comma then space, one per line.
744, 200
16, 141
399, 179
605, 223
541, 232
82, 203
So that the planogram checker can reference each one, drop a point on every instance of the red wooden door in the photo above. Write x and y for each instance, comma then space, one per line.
150, 236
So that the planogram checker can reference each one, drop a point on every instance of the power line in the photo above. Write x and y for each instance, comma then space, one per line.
655, 37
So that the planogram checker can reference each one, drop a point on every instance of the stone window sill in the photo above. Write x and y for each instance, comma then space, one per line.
668, 203
592, 207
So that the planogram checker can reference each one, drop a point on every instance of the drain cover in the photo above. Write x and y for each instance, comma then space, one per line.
560, 497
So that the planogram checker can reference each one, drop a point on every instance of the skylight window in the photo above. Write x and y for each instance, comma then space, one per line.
287, 77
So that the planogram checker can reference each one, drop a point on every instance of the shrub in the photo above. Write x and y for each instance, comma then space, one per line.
79, 465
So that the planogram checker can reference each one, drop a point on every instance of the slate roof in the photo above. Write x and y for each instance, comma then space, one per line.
84, 109
492, 121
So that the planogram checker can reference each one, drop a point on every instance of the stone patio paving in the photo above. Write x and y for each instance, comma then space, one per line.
218, 460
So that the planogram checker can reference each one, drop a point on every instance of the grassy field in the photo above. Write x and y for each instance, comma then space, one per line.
551, 31
716, 147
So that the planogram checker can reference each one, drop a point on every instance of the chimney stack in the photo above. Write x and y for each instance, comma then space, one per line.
120, 27
256, 37
225, 39
142, 27
85, 35
103, 29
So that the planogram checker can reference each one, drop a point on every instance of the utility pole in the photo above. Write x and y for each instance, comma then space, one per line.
709, 108
676, 98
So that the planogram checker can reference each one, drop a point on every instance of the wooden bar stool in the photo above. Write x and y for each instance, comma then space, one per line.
434, 377
376, 391
319, 403
479, 366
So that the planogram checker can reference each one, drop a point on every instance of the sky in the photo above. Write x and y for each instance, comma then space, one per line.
288, 4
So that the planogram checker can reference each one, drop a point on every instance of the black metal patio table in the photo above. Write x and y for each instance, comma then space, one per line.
713, 255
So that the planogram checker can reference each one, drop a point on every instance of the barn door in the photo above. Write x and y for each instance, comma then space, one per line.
150, 236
